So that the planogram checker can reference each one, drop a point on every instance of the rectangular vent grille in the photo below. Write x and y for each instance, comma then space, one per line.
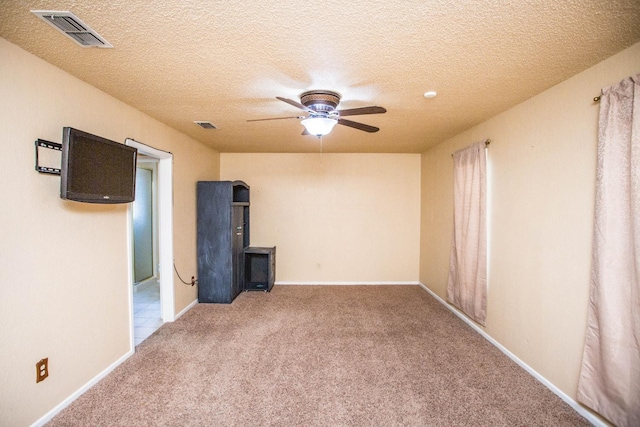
86, 39
71, 26
206, 125
64, 23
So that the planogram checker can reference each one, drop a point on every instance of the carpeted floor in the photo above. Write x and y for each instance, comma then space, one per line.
319, 356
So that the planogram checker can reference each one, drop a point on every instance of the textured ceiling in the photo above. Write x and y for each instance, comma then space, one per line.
226, 61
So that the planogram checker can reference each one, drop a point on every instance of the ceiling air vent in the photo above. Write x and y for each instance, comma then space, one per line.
70, 25
205, 125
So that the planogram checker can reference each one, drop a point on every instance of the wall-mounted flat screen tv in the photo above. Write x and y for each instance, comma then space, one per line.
95, 169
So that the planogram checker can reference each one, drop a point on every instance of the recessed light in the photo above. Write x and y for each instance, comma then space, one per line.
430, 94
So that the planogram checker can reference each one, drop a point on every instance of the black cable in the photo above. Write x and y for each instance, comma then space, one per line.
193, 279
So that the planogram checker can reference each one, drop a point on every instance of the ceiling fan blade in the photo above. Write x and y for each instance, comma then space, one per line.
359, 126
294, 103
276, 118
362, 110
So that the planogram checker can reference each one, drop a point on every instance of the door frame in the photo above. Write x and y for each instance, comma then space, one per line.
165, 231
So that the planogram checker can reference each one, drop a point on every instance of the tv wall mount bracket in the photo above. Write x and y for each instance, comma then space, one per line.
41, 143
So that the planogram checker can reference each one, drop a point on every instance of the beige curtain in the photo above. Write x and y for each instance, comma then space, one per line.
467, 284
610, 376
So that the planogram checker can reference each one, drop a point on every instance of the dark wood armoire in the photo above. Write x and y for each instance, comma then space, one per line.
222, 234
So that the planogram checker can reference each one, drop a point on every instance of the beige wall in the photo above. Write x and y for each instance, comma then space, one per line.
542, 182
63, 265
334, 218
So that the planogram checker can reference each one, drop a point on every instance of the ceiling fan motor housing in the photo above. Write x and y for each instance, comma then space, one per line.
320, 100
321, 107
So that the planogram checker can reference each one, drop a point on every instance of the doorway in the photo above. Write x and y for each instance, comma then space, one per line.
144, 223
163, 268
146, 288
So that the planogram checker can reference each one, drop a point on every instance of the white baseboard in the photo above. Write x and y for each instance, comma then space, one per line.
346, 283
187, 308
52, 413
590, 416
145, 283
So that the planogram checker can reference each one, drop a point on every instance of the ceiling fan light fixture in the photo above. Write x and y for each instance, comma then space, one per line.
319, 126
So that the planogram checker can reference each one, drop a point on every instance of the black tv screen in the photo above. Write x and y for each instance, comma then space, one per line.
95, 169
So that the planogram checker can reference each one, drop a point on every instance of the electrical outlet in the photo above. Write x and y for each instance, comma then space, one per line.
42, 370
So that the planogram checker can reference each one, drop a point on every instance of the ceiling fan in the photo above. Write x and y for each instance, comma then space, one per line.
323, 116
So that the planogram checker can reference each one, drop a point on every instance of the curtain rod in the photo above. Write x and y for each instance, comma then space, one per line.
486, 144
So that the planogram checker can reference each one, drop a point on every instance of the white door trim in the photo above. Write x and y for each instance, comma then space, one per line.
165, 227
